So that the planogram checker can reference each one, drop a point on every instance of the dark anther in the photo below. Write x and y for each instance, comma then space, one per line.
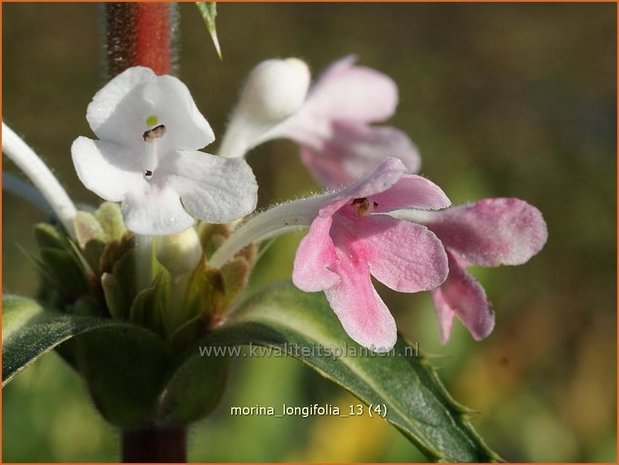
154, 133
148, 173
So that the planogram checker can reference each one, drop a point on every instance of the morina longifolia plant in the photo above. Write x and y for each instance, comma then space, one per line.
135, 286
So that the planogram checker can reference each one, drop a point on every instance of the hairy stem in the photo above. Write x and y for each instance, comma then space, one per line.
278, 220
140, 34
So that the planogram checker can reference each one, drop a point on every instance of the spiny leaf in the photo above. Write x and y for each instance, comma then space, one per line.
416, 402
208, 10
30, 331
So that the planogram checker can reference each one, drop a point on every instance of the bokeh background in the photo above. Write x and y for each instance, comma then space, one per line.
502, 99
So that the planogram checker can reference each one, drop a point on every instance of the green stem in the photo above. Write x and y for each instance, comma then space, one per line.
153, 445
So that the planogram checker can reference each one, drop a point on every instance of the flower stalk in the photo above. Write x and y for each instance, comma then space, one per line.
287, 217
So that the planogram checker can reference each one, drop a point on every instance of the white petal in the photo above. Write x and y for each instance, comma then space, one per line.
107, 169
137, 100
155, 211
212, 188
171, 102
110, 112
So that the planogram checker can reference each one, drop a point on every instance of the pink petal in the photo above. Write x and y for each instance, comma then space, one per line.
404, 256
444, 314
464, 296
315, 259
411, 191
355, 149
381, 179
348, 92
332, 127
363, 314
491, 232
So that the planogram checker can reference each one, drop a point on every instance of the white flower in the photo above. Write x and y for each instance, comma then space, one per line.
149, 131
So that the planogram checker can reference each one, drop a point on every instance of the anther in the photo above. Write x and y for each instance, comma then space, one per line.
364, 206
154, 133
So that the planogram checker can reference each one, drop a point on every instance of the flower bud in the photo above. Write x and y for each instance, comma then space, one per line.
274, 91
179, 253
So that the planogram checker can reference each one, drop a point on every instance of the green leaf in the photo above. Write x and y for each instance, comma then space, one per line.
125, 367
208, 10
29, 331
111, 220
114, 251
49, 236
150, 305
87, 228
205, 292
116, 299
64, 272
403, 381
193, 391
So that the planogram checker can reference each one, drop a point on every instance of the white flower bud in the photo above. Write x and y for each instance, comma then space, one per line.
179, 253
274, 91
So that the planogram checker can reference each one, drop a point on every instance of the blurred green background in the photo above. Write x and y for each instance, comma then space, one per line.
502, 99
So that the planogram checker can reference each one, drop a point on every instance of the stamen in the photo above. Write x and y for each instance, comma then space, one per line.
150, 150
154, 133
364, 206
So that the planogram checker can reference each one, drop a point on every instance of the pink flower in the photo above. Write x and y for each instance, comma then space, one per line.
338, 145
352, 238
490, 232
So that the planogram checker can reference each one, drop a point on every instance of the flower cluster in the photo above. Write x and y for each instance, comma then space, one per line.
377, 218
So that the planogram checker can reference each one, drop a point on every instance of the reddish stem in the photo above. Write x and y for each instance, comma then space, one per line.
139, 34
154, 446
